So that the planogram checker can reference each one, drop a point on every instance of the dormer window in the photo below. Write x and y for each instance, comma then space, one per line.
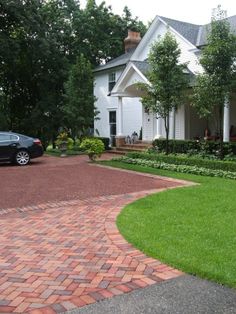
111, 80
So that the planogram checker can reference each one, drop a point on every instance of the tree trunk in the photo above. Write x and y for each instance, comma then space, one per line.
167, 133
221, 132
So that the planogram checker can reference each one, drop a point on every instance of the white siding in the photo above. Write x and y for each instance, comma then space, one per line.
187, 54
132, 108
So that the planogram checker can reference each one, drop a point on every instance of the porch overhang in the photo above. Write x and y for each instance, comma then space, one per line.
126, 86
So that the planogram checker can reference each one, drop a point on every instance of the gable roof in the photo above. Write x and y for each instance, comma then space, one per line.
195, 34
187, 30
204, 30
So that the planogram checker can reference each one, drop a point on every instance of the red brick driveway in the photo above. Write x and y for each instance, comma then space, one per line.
59, 245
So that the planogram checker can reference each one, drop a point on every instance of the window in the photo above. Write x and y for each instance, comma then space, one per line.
112, 123
112, 80
14, 137
4, 137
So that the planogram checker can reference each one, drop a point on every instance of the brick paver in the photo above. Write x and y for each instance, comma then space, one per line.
63, 255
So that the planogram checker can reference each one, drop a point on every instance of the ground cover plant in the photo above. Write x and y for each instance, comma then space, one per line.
191, 228
191, 169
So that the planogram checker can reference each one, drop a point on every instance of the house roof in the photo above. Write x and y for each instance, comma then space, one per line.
195, 34
119, 61
204, 30
143, 66
187, 30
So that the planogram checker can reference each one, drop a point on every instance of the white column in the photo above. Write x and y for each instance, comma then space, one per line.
172, 124
120, 117
226, 125
159, 127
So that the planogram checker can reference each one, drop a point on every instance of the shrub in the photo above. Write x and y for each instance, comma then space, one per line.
186, 160
106, 142
204, 148
70, 143
93, 147
178, 168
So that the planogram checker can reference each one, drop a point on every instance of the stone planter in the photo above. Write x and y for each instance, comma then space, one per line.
63, 148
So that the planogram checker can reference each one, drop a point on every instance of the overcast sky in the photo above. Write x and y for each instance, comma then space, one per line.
197, 11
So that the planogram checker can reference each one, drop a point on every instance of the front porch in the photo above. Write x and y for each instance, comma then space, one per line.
184, 123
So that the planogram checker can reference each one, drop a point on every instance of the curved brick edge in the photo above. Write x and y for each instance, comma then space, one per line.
153, 270
147, 271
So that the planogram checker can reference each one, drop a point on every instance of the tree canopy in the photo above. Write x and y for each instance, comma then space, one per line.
167, 79
218, 60
40, 42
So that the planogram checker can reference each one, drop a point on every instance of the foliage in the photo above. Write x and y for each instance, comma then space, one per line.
93, 147
207, 149
63, 140
79, 100
39, 44
195, 239
167, 80
178, 168
106, 142
214, 86
186, 160
57, 152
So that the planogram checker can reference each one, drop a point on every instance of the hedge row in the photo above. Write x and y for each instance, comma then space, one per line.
186, 146
178, 168
185, 160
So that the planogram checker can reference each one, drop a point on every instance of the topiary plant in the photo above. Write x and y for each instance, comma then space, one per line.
93, 147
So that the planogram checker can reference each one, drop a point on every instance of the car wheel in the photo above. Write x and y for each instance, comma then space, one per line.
22, 158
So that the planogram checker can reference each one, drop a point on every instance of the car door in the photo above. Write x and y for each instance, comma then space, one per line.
8, 145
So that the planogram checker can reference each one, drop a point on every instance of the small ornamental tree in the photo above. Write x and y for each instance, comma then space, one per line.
167, 80
214, 86
93, 147
79, 106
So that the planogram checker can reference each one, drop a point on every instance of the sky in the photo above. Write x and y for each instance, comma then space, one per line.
193, 11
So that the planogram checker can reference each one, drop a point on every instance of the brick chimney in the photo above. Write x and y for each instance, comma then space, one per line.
132, 40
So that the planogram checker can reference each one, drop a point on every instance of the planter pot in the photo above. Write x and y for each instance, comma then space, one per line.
63, 148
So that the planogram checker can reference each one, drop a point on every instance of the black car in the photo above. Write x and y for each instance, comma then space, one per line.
18, 148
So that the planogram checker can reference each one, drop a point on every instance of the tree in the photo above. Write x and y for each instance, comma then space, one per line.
79, 107
99, 33
167, 80
215, 85
39, 42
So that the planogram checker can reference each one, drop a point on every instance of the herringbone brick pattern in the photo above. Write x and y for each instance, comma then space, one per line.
65, 255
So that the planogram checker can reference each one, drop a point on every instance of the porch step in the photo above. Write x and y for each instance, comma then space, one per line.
115, 151
132, 148
138, 146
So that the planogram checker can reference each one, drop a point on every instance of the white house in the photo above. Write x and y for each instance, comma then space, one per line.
121, 112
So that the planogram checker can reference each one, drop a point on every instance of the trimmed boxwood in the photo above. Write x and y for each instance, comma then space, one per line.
185, 160
178, 168
185, 146
106, 142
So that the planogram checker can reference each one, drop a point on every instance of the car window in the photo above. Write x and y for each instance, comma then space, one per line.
5, 137
14, 137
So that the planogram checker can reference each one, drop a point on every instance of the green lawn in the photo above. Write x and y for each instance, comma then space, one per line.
191, 228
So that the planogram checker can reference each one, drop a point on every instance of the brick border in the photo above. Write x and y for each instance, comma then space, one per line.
136, 270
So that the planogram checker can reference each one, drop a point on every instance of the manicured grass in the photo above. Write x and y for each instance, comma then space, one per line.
191, 228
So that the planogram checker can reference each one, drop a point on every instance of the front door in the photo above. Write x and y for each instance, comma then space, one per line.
148, 126
112, 125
